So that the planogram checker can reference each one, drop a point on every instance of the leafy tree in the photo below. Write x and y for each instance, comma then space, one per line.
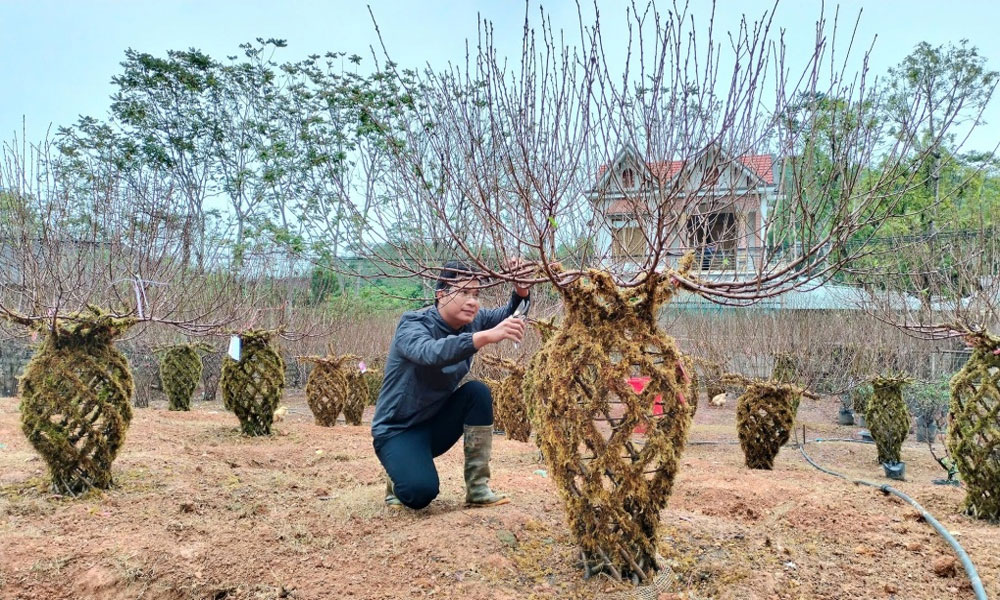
162, 108
240, 103
820, 131
932, 91
323, 284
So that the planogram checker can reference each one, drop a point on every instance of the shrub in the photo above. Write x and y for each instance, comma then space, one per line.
75, 400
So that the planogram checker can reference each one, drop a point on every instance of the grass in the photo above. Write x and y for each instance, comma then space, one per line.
51, 566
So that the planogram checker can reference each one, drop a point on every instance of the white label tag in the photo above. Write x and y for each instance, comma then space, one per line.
234, 347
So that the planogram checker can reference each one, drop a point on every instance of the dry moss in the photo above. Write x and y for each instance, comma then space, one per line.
711, 377
585, 412
373, 379
547, 330
887, 417
786, 370
75, 395
180, 371
357, 396
510, 412
859, 400
330, 388
689, 375
974, 434
494, 384
765, 415
252, 386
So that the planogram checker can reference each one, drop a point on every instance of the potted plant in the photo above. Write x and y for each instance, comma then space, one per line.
928, 402
846, 414
859, 397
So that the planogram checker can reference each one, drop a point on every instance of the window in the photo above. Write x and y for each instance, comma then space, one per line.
628, 179
711, 176
714, 238
628, 240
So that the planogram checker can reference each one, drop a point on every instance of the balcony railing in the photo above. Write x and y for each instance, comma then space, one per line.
743, 260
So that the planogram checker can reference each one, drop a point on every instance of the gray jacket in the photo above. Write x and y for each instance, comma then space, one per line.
427, 360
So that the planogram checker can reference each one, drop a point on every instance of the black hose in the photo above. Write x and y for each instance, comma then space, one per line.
844, 440
970, 569
734, 442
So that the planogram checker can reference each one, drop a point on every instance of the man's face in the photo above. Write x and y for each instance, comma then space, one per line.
459, 303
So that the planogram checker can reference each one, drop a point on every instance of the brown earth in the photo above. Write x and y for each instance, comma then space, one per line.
199, 511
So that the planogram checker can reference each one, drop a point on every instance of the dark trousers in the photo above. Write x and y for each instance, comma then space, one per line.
408, 456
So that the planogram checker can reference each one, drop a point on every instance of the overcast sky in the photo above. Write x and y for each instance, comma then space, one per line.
58, 56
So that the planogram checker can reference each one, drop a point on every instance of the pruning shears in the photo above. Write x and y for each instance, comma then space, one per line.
520, 312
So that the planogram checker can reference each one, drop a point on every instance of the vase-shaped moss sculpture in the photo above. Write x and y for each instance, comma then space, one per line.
860, 395
765, 415
711, 377
180, 372
510, 407
328, 386
357, 394
373, 379
887, 417
974, 433
75, 400
547, 329
494, 385
786, 370
510, 413
585, 412
252, 386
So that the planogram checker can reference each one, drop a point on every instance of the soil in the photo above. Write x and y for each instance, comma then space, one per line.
199, 511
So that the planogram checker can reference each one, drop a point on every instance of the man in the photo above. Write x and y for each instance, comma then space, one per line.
421, 411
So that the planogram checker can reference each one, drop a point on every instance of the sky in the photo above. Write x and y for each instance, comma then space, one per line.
58, 56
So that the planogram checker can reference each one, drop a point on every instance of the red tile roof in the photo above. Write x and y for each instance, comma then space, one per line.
622, 207
665, 170
761, 164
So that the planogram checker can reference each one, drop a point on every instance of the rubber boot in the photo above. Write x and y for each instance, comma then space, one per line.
391, 501
478, 447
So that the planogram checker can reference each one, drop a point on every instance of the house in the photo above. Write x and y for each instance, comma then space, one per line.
712, 203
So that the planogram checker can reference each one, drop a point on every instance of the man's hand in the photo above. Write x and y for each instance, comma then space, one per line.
512, 266
511, 328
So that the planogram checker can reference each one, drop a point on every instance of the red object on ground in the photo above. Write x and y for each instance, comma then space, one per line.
638, 384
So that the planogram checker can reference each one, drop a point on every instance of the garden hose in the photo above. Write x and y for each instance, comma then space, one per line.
970, 569
734, 442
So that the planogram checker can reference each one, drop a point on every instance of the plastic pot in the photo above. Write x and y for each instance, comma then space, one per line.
845, 416
895, 471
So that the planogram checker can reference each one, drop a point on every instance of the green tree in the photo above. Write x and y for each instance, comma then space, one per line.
241, 101
162, 108
932, 91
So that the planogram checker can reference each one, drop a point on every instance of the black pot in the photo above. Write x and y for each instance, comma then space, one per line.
895, 471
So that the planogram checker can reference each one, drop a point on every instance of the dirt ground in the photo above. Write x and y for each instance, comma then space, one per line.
199, 511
